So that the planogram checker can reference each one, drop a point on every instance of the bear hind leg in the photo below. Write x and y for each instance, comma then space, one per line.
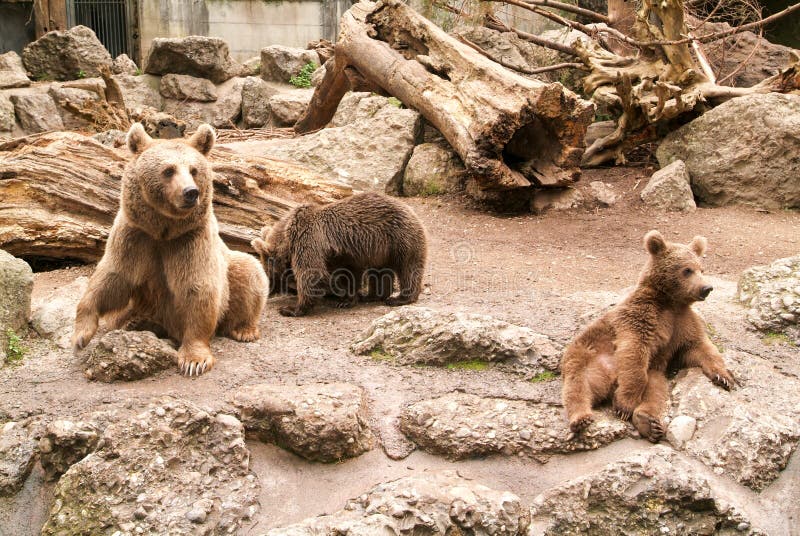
247, 291
647, 415
409, 279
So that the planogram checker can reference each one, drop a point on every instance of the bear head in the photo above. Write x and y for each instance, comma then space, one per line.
173, 177
274, 248
674, 271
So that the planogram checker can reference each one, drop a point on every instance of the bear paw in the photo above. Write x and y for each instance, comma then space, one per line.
246, 334
195, 363
648, 426
580, 422
723, 379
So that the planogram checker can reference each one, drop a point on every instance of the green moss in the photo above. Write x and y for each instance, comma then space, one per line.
379, 354
303, 78
545, 376
430, 189
15, 352
468, 365
772, 337
138, 72
395, 102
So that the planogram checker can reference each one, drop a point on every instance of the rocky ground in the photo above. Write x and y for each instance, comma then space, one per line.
338, 415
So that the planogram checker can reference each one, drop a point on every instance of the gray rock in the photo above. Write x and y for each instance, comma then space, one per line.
358, 105
510, 50
318, 75
160, 124
54, 316
80, 98
287, 108
433, 169
320, 422
599, 129
64, 444
17, 456
185, 87
280, 63
669, 189
461, 425
556, 199
139, 92
440, 503
223, 113
729, 165
16, 285
418, 335
680, 430
66, 55
394, 444
772, 295
203, 57
122, 64
111, 138
256, 94
12, 72
128, 355
37, 112
7, 117
654, 492
252, 66
164, 461
600, 194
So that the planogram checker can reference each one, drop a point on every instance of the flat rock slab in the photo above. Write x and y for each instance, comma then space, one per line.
128, 355
461, 425
37, 112
419, 335
173, 469
772, 295
437, 504
17, 456
320, 422
185, 87
649, 493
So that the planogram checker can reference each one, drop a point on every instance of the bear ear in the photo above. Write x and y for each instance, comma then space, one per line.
203, 140
699, 245
138, 139
654, 243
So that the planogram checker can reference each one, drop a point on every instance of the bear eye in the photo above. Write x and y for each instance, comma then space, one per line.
169, 172
193, 171
687, 272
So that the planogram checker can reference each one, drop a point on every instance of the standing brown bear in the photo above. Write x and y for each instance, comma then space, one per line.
165, 263
328, 249
625, 353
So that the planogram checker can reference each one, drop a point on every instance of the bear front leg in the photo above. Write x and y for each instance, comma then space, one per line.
633, 360
201, 311
706, 356
107, 291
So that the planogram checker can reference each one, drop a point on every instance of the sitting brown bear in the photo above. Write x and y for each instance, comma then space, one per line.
329, 249
165, 264
626, 352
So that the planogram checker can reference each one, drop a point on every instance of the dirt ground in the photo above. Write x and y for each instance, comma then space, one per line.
520, 268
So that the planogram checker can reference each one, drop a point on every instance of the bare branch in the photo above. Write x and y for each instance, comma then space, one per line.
495, 24
569, 8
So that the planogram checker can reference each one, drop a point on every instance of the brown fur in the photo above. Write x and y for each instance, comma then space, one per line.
164, 262
625, 353
329, 249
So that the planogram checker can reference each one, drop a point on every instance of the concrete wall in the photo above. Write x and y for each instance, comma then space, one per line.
246, 25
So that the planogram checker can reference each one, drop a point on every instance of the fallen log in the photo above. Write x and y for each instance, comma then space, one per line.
59, 193
510, 131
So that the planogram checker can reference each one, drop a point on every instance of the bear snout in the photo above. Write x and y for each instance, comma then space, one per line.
705, 291
190, 195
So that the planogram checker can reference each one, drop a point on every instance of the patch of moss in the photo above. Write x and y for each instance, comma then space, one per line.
772, 337
431, 188
468, 365
395, 102
379, 354
545, 376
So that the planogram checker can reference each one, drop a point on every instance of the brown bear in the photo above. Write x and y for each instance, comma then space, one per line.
165, 263
626, 352
328, 249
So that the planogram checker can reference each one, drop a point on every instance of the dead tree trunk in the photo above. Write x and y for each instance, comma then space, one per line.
59, 194
510, 131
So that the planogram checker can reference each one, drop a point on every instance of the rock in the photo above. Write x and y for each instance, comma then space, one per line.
358, 105
437, 504
223, 113
461, 425
17, 456
418, 335
185, 87
78, 97
54, 316
111, 138
599, 129
168, 461
369, 154
128, 355
66, 55
64, 444
252, 66
772, 295
654, 492
139, 92
16, 285
287, 108
600, 194
12, 72
510, 50
37, 112
318, 75
729, 165
680, 430
7, 117
280, 63
556, 199
203, 57
122, 64
160, 124
395, 445
320, 422
256, 94
433, 169
669, 189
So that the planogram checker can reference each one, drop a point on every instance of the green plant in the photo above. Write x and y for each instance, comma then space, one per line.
81, 74
431, 188
545, 376
379, 354
303, 78
394, 101
138, 72
772, 337
42, 77
468, 365
14, 349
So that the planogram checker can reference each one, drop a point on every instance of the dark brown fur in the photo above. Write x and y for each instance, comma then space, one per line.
330, 249
625, 354
165, 264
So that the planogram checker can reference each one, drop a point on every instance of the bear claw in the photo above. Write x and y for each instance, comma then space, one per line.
722, 381
649, 427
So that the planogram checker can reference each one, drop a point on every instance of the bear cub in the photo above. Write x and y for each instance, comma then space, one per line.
164, 264
331, 249
625, 354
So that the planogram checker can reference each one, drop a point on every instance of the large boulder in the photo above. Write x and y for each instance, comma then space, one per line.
222, 113
358, 105
185, 87
139, 92
128, 355
12, 72
16, 285
320, 422
434, 168
203, 57
81, 98
66, 55
122, 64
772, 295
37, 112
173, 469
53, 316
17, 456
729, 165
256, 94
280, 63
439, 503
462, 425
669, 189
287, 108
509, 50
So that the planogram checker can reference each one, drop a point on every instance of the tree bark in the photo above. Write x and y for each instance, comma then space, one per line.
510, 131
59, 194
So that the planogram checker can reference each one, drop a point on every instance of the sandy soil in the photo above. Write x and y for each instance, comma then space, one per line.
525, 269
